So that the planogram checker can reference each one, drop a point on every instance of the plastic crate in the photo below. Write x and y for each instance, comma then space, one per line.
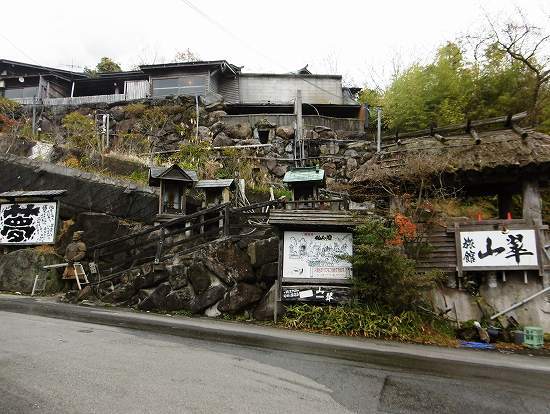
533, 337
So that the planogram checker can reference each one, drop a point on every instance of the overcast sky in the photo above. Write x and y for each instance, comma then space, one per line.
359, 39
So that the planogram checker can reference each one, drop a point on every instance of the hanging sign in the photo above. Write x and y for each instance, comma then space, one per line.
29, 223
499, 250
317, 255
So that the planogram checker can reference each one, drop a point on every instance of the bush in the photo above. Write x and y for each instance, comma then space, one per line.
81, 132
383, 274
367, 321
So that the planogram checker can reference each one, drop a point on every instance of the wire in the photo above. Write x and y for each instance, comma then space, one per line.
248, 45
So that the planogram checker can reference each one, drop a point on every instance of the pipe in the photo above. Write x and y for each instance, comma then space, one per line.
379, 129
517, 305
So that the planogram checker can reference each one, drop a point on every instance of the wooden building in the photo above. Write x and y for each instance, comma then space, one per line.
174, 183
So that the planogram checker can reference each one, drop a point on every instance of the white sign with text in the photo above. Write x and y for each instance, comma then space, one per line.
29, 223
498, 249
317, 255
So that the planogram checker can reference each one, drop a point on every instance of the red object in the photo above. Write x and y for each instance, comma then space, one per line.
478, 216
509, 216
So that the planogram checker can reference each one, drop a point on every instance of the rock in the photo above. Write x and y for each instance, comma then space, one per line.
213, 102
351, 153
268, 272
177, 276
285, 132
199, 277
222, 140
351, 164
150, 279
156, 299
46, 126
239, 131
117, 113
181, 299
320, 128
263, 251
330, 168
211, 296
216, 116
271, 163
279, 170
331, 148
233, 265
264, 309
249, 142
289, 149
84, 294
216, 128
212, 311
328, 135
19, 268
204, 133
122, 293
240, 297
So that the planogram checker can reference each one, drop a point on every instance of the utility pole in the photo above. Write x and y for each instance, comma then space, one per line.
379, 129
299, 126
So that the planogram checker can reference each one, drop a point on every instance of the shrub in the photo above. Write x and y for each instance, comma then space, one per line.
383, 274
368, 321
81, 132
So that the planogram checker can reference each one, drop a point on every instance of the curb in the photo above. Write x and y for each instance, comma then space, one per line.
419, 358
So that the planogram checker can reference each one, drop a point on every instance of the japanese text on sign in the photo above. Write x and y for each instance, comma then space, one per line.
32, 223
498, 249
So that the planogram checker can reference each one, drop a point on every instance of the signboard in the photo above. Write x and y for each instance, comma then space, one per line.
317, 255
29, 223
323, 294
499, 250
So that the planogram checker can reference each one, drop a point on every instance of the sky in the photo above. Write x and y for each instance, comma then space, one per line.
362, 40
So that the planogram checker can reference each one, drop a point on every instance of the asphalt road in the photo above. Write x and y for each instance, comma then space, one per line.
57, 366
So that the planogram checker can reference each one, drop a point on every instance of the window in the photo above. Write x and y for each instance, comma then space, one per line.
263, 136
183, 85
26, 92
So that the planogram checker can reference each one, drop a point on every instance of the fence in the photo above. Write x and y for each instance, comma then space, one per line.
310, 121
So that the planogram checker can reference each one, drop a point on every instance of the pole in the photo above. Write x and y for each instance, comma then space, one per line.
379, 129
197, 110
299, 126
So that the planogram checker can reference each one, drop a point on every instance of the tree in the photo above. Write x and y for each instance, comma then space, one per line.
186, 55
105, 65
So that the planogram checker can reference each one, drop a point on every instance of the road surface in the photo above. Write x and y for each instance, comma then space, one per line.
58, 366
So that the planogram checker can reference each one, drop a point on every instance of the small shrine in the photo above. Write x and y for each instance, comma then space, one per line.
173, 181
304, 182
216, 192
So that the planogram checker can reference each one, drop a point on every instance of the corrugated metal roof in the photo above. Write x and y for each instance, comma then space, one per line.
227, 182
36, 193
304, 174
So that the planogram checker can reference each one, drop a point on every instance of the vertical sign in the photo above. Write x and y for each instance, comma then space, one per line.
29, 223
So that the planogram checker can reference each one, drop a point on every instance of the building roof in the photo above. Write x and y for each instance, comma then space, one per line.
172, 172
36, 194
222, 64
496, 154
222, 183
304, 175
43, 68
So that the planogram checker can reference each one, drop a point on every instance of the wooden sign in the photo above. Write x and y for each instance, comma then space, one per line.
317, 256
319, 294
29, 223
497, 250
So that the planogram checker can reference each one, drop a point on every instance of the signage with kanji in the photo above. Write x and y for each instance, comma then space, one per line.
28, 223
499, 249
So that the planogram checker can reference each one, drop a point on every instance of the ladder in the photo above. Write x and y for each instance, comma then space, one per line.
79, 272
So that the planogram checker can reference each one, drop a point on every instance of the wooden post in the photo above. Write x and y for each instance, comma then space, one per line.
532, 206
158, 256
226, 213
299, 127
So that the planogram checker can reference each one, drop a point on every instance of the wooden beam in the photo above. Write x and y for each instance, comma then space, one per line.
520, 131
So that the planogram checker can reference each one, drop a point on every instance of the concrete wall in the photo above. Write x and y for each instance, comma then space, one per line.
496, 299
260, 88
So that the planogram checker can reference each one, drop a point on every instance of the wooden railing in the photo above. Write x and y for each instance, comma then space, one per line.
318, 204
155, 244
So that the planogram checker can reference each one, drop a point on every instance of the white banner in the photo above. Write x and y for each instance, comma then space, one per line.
317, 255
497, 249
31, 223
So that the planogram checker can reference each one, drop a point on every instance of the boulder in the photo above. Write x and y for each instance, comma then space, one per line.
122, 293
239, 131
46, 126
199, 277
351, 153
289, 149
328, 135
279, 170
222, 140
216, 116
156, 299
240, 297
330, 168
263, 251
177, 276
212, 311
181, 299
19, 268
213, 102
146, 280
285, 132
209, 297
331, 148
216, 128
268, 272
204, 133
264, 309
351, 164
232, 265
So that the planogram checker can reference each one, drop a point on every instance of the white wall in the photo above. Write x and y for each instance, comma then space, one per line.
282, 89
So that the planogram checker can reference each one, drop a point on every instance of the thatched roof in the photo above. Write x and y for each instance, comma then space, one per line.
501, 151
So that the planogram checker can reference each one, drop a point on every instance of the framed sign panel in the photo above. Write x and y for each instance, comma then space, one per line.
497, 250
317, 255
28, 223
